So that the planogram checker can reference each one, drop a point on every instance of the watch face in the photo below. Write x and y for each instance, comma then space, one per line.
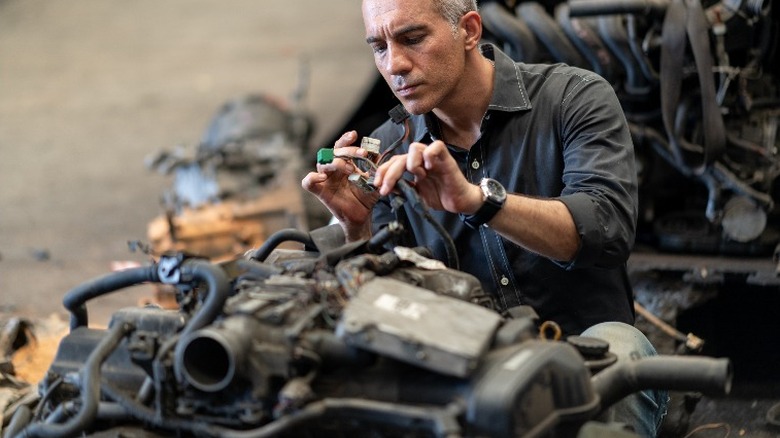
494, 189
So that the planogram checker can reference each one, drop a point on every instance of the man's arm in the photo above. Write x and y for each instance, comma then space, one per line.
543, 226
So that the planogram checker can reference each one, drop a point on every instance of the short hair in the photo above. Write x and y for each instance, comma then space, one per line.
453, 10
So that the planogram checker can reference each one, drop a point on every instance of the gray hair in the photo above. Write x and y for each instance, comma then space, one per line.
452, 10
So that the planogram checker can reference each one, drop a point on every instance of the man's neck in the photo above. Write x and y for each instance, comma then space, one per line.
460, 117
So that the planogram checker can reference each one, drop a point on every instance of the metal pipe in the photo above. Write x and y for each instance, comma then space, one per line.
209, 359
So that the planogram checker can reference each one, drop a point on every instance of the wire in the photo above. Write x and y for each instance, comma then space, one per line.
395, 144
45, 399
711, 426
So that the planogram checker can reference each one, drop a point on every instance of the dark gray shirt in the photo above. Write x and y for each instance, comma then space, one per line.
551, 131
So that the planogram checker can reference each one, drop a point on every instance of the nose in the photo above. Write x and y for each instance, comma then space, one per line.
397, 62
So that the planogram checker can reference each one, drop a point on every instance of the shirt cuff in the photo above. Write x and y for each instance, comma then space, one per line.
585, 212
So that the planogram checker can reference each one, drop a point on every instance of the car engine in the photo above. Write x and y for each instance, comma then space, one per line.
334, 339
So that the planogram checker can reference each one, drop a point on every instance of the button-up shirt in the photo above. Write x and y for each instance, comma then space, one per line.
550, 131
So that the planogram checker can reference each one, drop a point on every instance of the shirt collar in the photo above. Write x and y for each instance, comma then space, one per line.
509, 93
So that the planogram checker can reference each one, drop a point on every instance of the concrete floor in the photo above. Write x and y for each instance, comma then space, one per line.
89, 88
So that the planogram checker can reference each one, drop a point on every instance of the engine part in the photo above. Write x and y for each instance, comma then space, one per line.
333, 340
412, 324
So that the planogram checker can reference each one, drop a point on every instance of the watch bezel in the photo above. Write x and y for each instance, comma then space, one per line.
492, 190
493, 195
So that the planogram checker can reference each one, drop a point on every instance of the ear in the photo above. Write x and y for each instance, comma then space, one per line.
471, 24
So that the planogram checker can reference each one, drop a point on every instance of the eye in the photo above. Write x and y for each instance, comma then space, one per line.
378, 48
411, 40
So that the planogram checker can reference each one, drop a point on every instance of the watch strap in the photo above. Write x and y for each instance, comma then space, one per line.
483, 215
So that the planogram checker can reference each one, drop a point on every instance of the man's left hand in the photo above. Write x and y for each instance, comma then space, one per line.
437, 178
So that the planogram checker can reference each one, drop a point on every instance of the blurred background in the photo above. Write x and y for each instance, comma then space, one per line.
90, 88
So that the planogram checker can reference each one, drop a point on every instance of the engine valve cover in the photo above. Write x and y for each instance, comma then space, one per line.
417, 326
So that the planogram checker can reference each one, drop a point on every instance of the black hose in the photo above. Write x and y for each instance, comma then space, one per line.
644, 64
440, 421
549, 33
19, 420
512, 30
279, 237
106, 411
75, 300
218, 292
585, 39
384, 235
673, 373
615, 37
256, 270
414, 200
90, 389
661, 146
590, 8
150, 417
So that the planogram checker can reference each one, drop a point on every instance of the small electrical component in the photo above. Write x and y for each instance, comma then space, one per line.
361, 178
371, 145
365, 184
325, 156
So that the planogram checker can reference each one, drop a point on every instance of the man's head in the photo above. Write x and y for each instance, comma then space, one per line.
453, 10
422, 47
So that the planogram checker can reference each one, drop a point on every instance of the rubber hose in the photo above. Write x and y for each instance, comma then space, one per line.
279, 237
19, 420
512, 30
218, 292
550, 34
75, 300
673, 373
591, 8
90, 390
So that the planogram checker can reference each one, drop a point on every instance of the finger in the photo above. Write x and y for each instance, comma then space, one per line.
394, 171
414, 160
311, 180
346, 139
379, 174
434, 154
347, 151
337, 165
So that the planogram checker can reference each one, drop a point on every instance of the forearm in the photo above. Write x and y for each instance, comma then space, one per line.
543, 226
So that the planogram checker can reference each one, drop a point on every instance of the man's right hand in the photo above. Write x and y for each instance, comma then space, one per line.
350, 204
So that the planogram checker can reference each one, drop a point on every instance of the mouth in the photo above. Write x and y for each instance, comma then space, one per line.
406, 90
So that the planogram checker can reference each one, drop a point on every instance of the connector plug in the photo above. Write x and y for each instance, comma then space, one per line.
325, 156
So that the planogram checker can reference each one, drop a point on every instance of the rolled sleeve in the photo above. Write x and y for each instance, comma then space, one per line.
600, 176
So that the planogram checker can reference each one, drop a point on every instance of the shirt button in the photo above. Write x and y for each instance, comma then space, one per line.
475, 164
504, 280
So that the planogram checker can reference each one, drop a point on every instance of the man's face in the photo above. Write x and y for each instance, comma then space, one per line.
415, 50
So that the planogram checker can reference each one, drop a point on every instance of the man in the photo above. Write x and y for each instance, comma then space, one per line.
554, 136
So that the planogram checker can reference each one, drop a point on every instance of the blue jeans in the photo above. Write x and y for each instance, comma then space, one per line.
644, 410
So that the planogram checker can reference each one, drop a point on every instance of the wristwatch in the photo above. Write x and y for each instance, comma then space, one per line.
494, 196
